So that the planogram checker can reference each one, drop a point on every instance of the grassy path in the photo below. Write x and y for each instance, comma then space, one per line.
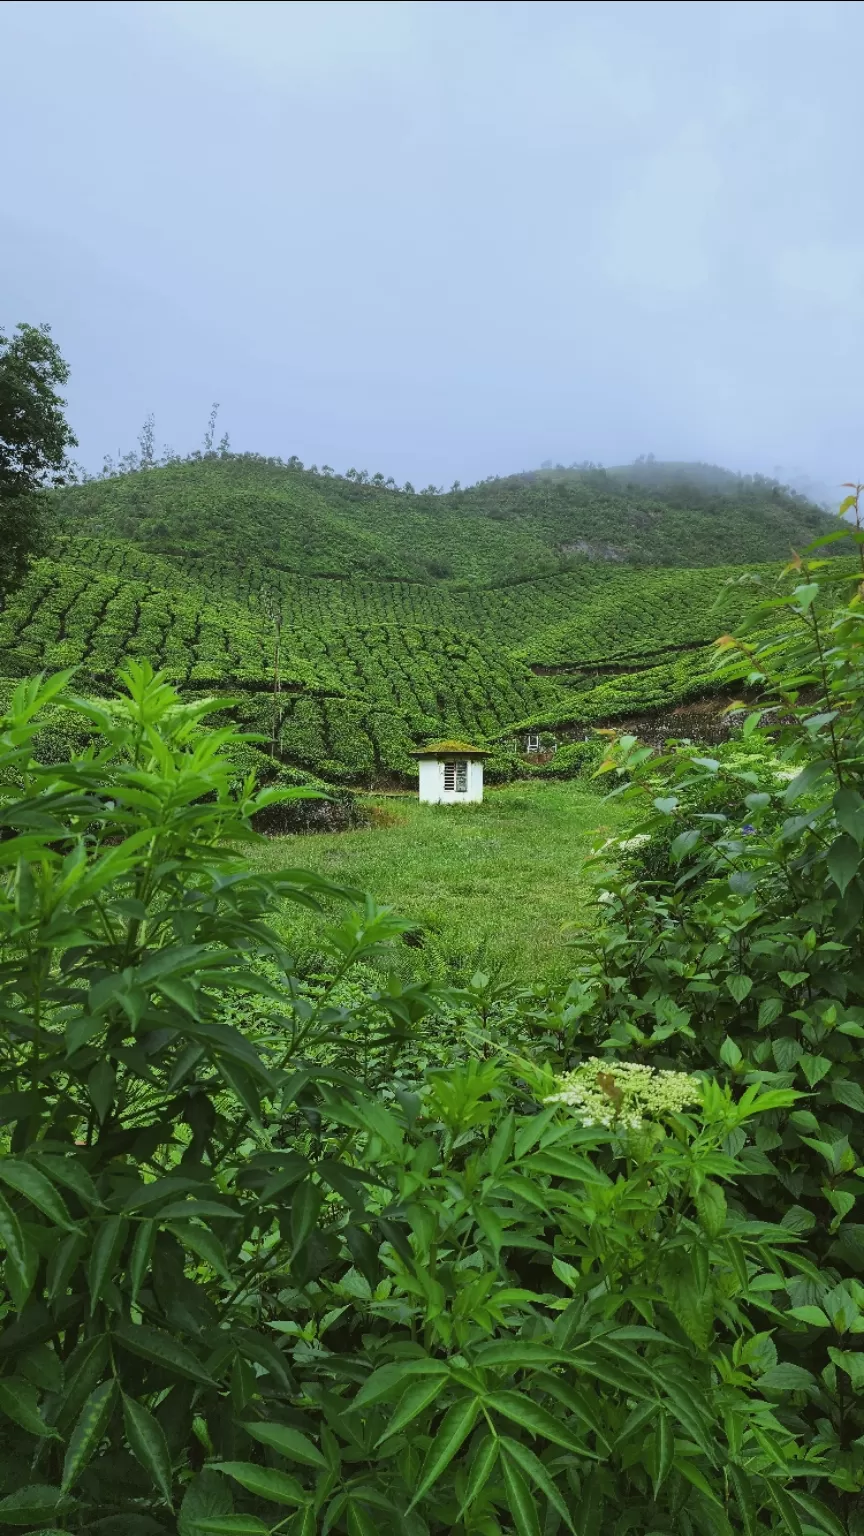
493, 886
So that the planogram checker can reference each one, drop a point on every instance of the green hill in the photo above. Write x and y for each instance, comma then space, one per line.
551, 600
260, 512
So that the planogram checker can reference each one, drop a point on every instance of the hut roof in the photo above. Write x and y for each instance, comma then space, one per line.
450, 749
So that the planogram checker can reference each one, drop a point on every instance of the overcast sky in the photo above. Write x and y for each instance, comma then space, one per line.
450, 239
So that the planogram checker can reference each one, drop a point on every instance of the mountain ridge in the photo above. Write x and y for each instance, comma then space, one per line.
252, 510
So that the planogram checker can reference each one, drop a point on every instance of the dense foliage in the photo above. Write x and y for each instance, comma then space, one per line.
35, 440
259, 1277
525, 525
368, 670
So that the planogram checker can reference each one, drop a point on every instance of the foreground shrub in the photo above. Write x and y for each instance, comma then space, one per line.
244, 1293
745, 952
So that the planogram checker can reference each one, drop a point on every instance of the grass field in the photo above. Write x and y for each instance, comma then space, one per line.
493, 886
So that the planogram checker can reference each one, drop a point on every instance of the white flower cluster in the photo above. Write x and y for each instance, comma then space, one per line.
627, 844
624, 1093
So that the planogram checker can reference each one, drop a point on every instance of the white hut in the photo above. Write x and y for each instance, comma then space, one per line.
451, 772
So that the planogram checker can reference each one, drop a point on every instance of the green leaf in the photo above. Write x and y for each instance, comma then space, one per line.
264, 1482
693, 1475
33, 1185
142, 1253
500, 1148
849, 809
739, 986
744, 1498
42, 1366
148, 1444
20, 1262
812, 1315
287, 1442
19, 1401
787, 1378
805, 781
785, 1509
815, 1068
229, 1525
520, 1503
818, 1514
769, 1010
304, 1213
844, 856
533, 1467
389, 1380
360, 1522
162, 1348
414, 1399
664, 1439
538, 1421
71, 1173
107, 1245
683, 844
35, 1502
847, 1092
485, 1457
207, 1497
88, 1432
455, 1427
730, 1052
773, 1098
100, 1087
204, 1244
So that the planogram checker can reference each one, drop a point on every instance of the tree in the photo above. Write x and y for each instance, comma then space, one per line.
147, 443
210, 434
35, 440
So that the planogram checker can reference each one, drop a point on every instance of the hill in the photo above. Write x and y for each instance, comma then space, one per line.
260, 512
571, 597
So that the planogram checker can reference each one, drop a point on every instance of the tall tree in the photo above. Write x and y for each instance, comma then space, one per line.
35, 440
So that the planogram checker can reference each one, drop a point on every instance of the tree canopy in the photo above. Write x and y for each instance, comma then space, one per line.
35, 439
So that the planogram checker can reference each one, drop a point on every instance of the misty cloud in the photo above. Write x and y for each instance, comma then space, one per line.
445, 239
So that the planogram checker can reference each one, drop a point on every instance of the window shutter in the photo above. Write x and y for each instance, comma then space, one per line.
449, 776
462, 778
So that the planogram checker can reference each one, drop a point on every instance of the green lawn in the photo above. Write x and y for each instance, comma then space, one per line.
493, 886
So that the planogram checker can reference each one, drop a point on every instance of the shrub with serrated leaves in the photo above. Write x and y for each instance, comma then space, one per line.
748, 957
243, 1292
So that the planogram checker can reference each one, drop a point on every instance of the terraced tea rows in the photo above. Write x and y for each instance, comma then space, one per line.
369, 668
65, 616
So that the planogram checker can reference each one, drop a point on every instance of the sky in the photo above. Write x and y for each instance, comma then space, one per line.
445, 240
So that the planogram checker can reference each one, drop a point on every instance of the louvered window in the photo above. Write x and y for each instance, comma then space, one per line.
456, 778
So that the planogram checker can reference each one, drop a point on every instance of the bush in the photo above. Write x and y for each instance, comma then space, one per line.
257, 1280
574, 760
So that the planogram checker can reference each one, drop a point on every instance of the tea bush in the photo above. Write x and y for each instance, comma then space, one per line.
371, 668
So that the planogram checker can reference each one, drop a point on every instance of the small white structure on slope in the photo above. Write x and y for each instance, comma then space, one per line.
451, 772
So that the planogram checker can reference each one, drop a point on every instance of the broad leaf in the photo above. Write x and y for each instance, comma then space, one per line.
88, 1431
287, 1442
148, 1444
455, 1427
264, 1482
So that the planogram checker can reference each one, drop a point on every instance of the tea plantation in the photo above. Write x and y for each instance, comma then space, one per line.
550, 601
